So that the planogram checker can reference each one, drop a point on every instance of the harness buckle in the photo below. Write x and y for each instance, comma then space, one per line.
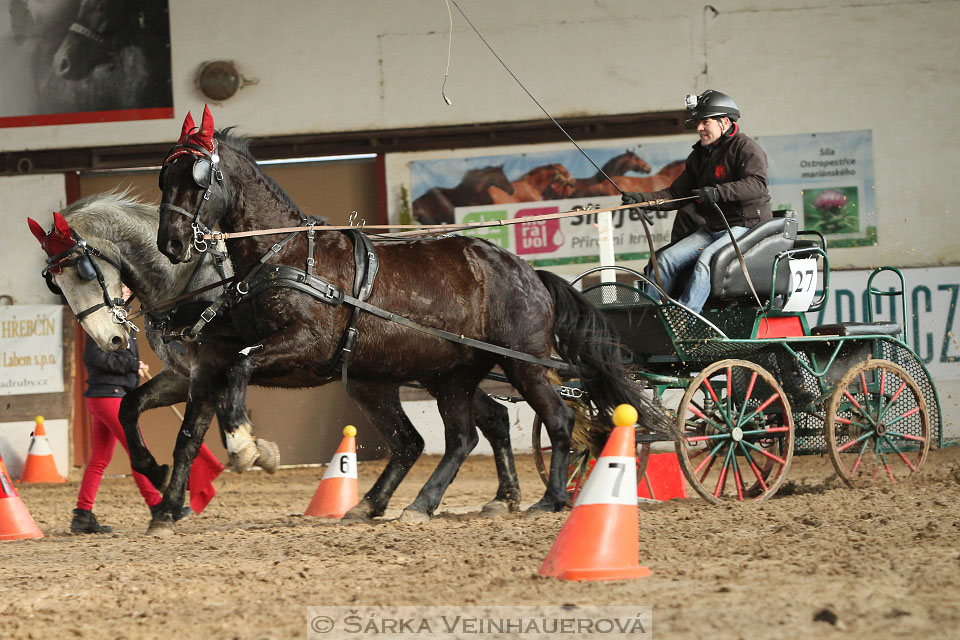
208, 314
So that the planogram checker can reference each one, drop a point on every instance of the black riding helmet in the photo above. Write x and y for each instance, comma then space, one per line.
711, 104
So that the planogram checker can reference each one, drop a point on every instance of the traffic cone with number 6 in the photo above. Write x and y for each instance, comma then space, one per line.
338, 491
601, 538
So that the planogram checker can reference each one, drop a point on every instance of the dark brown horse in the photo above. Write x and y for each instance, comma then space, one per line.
113, 40
598, 185
474, 290
436, 205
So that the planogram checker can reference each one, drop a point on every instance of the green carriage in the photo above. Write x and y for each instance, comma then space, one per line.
751, 387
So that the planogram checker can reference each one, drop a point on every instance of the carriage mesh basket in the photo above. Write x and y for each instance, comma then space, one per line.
899, 354
616, 295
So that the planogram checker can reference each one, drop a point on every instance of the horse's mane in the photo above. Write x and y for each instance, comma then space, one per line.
241, 145
113, 216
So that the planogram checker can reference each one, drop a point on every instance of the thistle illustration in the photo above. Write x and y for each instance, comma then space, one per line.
832, 212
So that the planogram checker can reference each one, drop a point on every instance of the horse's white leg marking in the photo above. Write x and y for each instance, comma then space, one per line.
242, 448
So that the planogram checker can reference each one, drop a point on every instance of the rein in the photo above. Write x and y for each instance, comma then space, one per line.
418, 230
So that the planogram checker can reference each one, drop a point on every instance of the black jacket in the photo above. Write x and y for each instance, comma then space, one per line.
737, 166
111, 374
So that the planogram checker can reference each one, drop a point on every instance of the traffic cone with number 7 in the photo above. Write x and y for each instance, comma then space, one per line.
338, 491
601, 538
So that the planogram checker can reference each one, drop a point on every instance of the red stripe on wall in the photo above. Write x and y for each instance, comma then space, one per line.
86, 117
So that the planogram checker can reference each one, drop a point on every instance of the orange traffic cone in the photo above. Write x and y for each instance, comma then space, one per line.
338, 491
40, 465
662, 479
3, 468
601, 538
15, 521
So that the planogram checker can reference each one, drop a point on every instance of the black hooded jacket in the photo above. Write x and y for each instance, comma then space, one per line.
737, 167
111, 374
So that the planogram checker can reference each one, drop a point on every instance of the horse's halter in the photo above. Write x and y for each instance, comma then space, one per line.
206, 167
87, 269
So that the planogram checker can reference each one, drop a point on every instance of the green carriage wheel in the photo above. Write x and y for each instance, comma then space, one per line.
585, 444
877, 425
736, 435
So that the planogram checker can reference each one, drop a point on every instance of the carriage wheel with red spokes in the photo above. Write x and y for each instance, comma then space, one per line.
582, 456
736, 433
877, 426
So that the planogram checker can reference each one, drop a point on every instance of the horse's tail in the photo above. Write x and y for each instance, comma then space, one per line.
584, 339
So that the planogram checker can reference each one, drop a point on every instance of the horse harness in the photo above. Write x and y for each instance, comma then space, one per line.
367, 264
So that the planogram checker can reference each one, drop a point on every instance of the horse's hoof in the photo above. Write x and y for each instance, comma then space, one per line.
160, 529
268, 457
495, 509
243, 459
362, 512
413, 516
544, 506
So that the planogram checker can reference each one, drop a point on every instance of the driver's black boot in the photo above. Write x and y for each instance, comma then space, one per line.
85, 522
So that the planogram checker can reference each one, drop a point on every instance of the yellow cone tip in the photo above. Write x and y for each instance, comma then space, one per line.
39, 419
349, 431
624, 416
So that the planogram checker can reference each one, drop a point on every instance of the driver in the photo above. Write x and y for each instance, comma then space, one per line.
726, 169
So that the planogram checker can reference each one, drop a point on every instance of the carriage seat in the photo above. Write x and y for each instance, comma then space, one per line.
759, 247
891, 329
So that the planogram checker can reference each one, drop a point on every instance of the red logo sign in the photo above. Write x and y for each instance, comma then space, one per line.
720, 172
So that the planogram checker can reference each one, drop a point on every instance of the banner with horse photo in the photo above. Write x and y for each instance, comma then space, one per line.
826, 178
78, 61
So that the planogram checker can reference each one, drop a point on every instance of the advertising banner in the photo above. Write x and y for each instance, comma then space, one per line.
31, 349
827, 178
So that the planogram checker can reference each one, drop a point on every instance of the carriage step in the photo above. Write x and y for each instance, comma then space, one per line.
858, 329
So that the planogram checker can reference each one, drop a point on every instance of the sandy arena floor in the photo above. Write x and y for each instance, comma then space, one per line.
816, 561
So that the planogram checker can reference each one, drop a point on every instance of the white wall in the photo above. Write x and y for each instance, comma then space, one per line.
21, 258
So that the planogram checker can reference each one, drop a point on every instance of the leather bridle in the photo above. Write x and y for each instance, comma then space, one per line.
206, 170
82, 256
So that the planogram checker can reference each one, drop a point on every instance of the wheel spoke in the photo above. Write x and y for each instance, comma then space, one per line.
703, 417
899, 453
753, 465
710, 457
906, 436
719, 405
893, 399
736, 475
764, 452
866, 394
759, 410
905, 415
747, 395
853, 442
755, 432
722, 482
856, 465
887, 467
729, 391
855, 403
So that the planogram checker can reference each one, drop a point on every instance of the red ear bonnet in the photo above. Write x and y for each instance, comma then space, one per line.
188, 127
37, 230
204, 137
59, 239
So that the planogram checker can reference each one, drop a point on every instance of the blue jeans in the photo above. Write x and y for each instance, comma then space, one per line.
699, 247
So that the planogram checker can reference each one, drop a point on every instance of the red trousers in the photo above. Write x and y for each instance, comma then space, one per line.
106, 431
